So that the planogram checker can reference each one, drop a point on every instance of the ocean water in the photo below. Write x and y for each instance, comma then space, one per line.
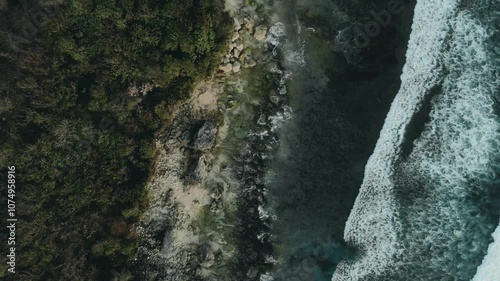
336, 111
382, 161
489, 270
430, 199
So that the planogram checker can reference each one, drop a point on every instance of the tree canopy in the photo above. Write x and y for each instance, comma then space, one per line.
80, 103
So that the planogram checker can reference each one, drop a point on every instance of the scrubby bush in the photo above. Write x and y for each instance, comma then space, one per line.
81, 142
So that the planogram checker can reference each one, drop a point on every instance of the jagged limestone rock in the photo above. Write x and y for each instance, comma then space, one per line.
205, 137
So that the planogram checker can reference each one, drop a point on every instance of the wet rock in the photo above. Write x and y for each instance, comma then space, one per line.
216, 206
249, 24
235, 37
252, 273
275, 99
249, 63
237, 24
242, 58
201, 170
206, 257
235, 52
262, 120
216, 195
193, 248
260, 32
227, 67
236, 67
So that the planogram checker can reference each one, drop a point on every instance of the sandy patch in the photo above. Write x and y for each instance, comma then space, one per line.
206, 96
192, 200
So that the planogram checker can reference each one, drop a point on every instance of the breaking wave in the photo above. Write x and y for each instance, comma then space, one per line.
489, 270
430, 198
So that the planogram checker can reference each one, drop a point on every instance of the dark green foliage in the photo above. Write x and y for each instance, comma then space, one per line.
81, 143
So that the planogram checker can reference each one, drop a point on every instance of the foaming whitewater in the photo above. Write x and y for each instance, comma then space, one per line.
288, 57
489, 270
430, 198
314, 174
262, 139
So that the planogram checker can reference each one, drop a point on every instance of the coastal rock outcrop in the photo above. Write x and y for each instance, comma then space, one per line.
204, 139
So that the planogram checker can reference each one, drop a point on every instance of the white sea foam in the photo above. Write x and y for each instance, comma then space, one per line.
280, 118
276, 33
413, 217
293, 51
266, 277
371, 224
295, 54
263, 213
489, 270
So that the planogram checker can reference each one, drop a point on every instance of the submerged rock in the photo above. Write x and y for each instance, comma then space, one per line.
249, 63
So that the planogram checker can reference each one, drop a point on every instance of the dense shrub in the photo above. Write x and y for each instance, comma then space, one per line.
79, 106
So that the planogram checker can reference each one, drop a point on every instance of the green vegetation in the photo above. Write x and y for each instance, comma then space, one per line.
79, 108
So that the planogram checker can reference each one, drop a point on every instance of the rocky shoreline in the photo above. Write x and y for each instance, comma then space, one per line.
188, 231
